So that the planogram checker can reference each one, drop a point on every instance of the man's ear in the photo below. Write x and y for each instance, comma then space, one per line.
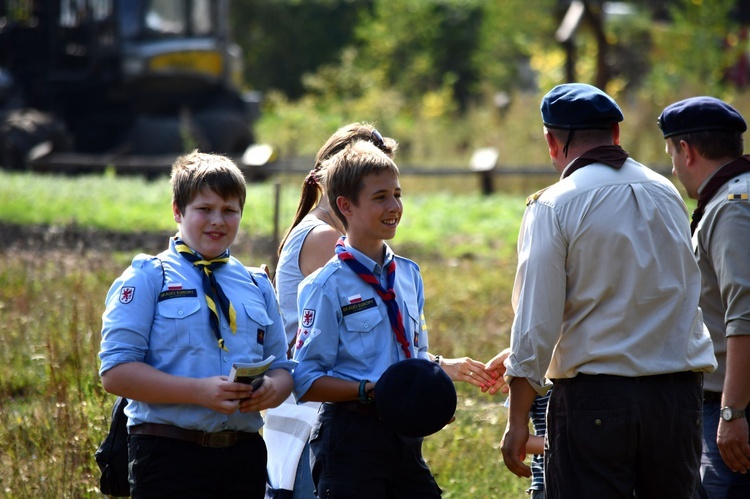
616, 134
691, 155
552, 143
176, 213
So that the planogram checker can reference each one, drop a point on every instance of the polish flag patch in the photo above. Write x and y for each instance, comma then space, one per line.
173, 286
355, 298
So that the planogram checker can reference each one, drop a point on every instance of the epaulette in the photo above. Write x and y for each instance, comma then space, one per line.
531, 199
738, 190
326, 271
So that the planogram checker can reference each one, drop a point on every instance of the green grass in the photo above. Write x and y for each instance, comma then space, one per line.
53, 411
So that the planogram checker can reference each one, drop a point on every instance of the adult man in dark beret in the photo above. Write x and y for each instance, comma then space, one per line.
704, 139
606, 302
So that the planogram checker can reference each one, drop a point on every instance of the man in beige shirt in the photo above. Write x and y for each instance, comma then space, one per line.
606, 302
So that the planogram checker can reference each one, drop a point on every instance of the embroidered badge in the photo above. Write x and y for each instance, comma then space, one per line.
261, 336
174, 286
308, 317
302, 335
355, 298
305, 336
353, 308
126, 294
177, 293
416, 339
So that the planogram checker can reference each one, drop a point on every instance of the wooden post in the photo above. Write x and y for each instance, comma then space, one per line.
484, 162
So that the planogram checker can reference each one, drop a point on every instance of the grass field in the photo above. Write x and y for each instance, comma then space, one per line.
53, 411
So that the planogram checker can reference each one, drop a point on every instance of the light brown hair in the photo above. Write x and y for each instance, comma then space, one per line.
196, 171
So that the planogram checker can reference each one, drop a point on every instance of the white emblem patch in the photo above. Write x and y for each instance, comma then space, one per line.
126, 294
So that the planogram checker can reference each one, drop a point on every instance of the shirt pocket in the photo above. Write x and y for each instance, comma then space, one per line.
413, 325
178, 315
361, 337
257, 326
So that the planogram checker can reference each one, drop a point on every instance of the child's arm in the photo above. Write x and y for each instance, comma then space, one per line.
535, 445
330, 389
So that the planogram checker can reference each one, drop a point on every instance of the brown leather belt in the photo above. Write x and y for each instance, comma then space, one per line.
354, 406
202, 438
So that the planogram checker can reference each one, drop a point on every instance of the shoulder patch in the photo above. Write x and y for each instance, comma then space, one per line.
126, 294
738, 190
532, 199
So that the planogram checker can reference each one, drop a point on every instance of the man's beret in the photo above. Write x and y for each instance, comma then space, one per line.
415, 397
577, 106
700, 114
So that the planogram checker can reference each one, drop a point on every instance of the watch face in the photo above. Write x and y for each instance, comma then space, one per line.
726, 414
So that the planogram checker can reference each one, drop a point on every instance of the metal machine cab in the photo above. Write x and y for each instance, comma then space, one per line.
121, 77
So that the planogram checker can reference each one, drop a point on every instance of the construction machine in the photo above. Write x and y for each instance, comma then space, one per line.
128, 84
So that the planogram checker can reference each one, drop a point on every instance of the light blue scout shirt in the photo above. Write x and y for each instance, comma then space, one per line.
162, 319
344, 330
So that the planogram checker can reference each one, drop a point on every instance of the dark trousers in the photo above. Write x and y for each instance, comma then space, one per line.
617, 437
163, 467
354, 455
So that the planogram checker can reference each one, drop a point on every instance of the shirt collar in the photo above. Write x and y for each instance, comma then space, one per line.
369, 262
713, 173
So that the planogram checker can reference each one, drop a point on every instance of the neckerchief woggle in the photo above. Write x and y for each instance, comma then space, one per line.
388, 296
721, 177
211, 289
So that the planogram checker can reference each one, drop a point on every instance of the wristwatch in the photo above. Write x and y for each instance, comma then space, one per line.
728, 414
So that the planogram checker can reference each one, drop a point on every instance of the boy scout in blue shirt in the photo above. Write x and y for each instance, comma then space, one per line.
173, 327
358, 315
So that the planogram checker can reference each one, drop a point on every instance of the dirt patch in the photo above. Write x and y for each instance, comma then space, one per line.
80, 240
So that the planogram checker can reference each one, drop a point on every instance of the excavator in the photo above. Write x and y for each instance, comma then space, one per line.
126, 84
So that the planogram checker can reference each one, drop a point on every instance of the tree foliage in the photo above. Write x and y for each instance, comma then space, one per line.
417, 66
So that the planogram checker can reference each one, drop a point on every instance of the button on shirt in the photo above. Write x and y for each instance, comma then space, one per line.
162, 319
606, 281
344, 330
721, 243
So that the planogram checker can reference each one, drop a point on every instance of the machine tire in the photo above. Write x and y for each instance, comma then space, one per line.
163, 135
226, 130
23, 129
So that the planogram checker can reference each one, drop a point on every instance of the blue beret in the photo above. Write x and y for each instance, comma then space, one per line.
415, 397
700, 114
577, 106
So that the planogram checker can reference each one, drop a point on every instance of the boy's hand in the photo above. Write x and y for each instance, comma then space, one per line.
221, 395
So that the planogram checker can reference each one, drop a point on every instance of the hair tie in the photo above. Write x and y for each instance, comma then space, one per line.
311, 178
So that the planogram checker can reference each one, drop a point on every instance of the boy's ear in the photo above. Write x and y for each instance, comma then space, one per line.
344, 205
176, 213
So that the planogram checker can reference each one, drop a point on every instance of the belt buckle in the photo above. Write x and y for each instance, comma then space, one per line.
219, 439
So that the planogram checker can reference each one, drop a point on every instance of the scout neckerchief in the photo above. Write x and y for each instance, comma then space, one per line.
211, 289
722, 176
388, 296
613, 156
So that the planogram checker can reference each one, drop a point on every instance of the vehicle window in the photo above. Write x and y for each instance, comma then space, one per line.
74, 12
166, 17
201, 17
